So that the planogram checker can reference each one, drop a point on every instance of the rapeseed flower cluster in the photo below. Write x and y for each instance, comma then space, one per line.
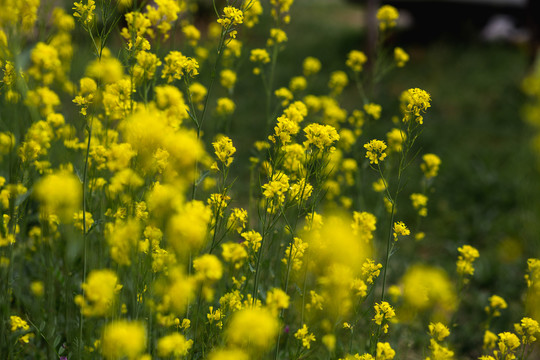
387, 16
120, 211
466, 258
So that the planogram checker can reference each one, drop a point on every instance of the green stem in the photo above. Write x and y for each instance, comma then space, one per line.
270, 86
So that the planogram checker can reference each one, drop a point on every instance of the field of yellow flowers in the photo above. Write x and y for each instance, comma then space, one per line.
175, 184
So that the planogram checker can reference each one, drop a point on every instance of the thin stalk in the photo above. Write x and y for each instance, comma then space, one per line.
85, 240
392, 213
270, 85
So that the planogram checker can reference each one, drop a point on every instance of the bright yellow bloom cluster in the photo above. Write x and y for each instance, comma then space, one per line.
208, 268
275, 191
374, 110
161, 14
123, 339
297, 84
138, 25
385, 351
277, 36
60, 194
234, 253
18, 323
224, 150
419, 202
46, 64
174, 345
100, 290
117, 99
228, 354
85, 13
295, 253
305, 336
252, 11
426, 287
44, 99
122, 237
300, 191
490, 340
533, 273
296, 111
237, 220
254, 329
387, 16
277, 300
177, 66
215, 316
187, 229
400, 57
231, 17
284, 130
285, 95
88, 88
321, 136
439, 352
259, 57
364, 224
356, 60
370, 270
464, 264
227, 78
400, 229
438, 331
415, 102
496, 303
430, 166
191, 33
145, 68
384, 312
252, 239
507, 344
280, 10
338, 81
311, 66
395, 139
375, 151
528, 329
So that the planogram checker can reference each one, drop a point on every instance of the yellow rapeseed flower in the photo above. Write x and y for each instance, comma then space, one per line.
430, 166
464, 264
224, 150
400, 57
322, 137
231, 17
375, 151
528, 329
100, 291
400, 229
123, 339
311, 66
387, 16
415, 102
356, 60
174, 345
208, 268
60, 193
385, 351
252, 328
303, 335
438, 331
